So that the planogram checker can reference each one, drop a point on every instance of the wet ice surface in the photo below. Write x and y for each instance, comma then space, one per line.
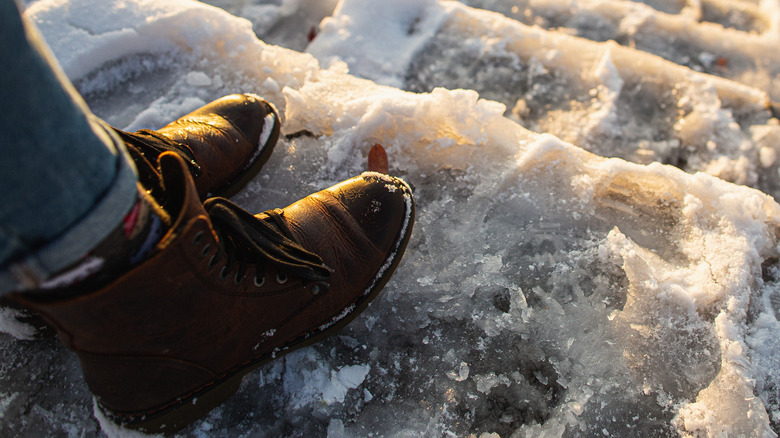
545, 290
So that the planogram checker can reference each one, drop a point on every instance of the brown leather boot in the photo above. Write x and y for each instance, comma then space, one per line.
171, 339
224, 143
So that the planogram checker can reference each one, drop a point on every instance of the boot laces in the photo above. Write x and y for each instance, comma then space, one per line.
247, 240
151, 144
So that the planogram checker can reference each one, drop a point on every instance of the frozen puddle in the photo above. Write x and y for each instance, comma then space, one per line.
546, 291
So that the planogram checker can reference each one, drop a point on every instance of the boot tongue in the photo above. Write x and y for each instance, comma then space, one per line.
263, 240
178, 196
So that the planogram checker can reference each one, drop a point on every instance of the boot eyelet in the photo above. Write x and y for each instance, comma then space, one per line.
319, 288
237, 280
223, 274
205, 250
212, 261
198, 237
259, 283
281, 278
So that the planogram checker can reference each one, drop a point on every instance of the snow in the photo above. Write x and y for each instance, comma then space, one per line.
10, 324
595, 248
342, 36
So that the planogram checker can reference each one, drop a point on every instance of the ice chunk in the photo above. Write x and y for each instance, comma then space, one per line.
341, 381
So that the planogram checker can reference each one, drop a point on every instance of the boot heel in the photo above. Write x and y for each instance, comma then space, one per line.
183, 414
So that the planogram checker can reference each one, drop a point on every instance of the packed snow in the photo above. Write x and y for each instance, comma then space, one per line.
596, 244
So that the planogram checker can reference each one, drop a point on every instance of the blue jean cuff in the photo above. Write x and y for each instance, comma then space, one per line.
93, 228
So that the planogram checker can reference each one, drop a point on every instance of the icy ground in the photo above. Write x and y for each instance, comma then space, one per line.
548, 290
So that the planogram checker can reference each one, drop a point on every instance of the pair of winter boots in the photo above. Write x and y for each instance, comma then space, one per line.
222, 291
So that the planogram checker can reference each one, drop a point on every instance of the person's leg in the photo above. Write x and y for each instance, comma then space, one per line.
69, 188
66, 182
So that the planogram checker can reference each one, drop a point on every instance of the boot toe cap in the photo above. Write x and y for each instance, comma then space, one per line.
380, 204
246, 112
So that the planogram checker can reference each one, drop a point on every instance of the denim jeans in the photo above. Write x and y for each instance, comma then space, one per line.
66, 180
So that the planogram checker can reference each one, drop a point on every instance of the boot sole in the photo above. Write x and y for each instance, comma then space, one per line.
195, 406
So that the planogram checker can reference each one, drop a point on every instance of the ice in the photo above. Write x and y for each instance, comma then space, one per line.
733, 40
613, 100
414, 22
288, 23
10, 323
547, 289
